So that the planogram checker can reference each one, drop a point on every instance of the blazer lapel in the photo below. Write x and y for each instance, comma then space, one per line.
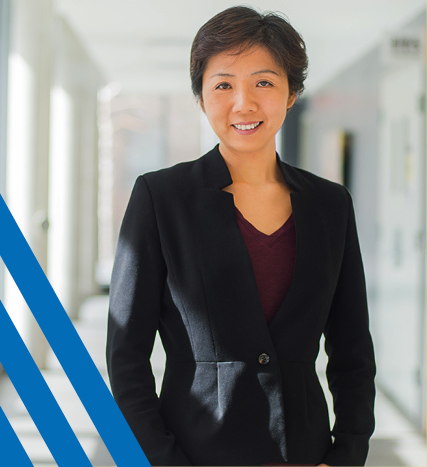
237, 290
297, 317
306, 270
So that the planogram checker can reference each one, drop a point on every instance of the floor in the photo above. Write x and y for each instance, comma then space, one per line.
394, 443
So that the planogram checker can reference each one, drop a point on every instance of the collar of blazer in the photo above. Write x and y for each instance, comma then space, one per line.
217, 175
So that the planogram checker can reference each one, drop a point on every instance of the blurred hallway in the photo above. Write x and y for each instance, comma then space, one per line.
395, 441
93, 94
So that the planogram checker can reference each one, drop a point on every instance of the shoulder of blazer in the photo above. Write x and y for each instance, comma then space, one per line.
175, 182
303, 180
324, 192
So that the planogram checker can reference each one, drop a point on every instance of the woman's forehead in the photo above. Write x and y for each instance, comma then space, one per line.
255, 58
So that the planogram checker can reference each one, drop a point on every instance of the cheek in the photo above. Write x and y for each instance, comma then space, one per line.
277, 109
215, 107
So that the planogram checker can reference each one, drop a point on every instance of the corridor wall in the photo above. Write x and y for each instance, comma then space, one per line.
29, 78
48, 168
366, 127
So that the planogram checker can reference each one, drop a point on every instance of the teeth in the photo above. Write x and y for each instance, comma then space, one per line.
247, 127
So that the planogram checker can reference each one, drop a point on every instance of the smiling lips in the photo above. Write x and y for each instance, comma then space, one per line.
246, 128
249, 126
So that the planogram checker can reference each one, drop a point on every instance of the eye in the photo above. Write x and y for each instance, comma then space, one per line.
264, 84
223, 86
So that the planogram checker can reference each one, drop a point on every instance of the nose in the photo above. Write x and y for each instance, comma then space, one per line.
244, 101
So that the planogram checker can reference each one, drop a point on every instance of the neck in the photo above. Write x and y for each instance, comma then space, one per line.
252, 168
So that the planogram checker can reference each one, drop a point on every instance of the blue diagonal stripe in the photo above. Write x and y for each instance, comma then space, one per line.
67, 345
37, 397
12, 452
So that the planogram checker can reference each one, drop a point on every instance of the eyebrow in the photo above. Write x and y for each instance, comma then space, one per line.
254, 73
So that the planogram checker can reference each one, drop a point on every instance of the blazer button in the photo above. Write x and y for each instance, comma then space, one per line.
264, 359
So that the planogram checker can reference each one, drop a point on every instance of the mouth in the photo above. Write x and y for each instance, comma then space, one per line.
246, 127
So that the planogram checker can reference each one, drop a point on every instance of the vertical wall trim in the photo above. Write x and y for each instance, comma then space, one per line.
4, 53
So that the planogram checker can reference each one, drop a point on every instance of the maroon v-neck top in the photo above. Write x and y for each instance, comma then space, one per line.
273, 261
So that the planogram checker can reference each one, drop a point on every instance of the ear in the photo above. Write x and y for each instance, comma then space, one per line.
291, 101
202, 105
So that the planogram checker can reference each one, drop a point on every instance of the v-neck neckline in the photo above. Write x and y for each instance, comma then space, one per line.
268, 239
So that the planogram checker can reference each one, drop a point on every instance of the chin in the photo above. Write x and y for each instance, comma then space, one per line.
250, 146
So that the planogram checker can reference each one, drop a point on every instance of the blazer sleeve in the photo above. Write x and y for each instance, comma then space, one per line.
351, 364
137, 285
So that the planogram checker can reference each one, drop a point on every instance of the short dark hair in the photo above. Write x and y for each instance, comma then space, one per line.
242, 27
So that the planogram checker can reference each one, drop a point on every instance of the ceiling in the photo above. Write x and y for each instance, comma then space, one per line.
143, 45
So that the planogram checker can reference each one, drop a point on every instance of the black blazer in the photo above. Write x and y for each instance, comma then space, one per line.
182, 267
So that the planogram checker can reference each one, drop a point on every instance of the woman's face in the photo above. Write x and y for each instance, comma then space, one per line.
244, 90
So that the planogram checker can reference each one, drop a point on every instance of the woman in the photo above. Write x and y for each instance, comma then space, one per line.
242, 262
